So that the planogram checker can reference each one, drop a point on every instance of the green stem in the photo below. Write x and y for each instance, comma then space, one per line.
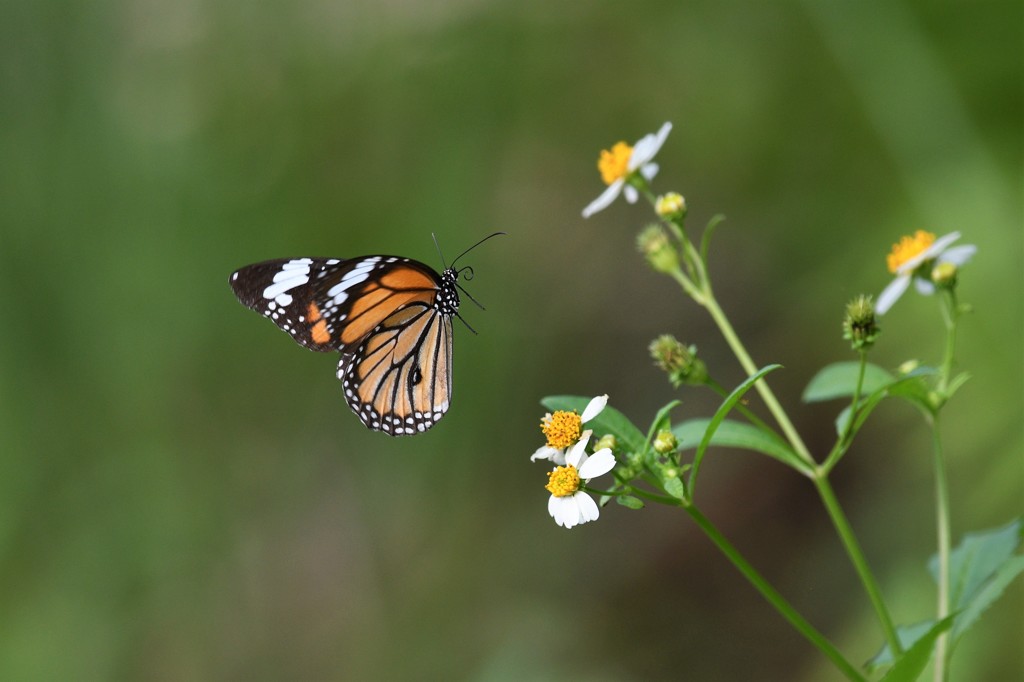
860, 564
774, 598
709, 302
949, 315
942, 650
843, 442
751, 417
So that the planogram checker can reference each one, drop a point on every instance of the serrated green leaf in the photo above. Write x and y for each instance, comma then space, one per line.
839, 380
609, 420
987, 595
980, 568
630, 501
912, 663
734, 434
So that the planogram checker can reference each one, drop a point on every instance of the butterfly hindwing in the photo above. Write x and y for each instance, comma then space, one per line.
398, 380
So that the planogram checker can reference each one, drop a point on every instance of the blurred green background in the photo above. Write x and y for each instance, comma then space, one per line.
185, 495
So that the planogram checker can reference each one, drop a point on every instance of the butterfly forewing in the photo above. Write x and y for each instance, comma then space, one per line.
389, 317
329, 303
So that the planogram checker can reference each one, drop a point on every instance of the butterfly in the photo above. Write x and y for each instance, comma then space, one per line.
389, 317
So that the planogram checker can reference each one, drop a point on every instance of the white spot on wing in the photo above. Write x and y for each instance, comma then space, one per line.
293, 274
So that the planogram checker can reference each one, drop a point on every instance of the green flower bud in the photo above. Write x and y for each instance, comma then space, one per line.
678, 361
665, 442
654, 243
908, 366
606, 441
944, 275
859, 326
671, 206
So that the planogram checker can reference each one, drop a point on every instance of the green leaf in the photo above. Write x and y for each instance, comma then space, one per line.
720, 414
609, 421
734, 434
954, 385
705, 239
980, 568
908, 635
912, 663
987, 594
839, 380
673, 485
630, 501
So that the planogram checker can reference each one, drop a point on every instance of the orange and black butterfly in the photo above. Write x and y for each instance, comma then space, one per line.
389, 317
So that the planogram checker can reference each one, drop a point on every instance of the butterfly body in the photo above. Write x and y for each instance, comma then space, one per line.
389, 317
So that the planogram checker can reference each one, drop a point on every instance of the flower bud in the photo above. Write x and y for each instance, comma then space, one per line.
907, 367
944, 275
678, 361
665, 442
606, 441
671, 206
859, 326
654, 243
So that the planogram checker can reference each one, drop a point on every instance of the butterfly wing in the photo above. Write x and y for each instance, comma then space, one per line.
384, 315
329, 304
398, 380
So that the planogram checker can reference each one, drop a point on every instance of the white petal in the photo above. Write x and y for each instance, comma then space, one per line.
587, 508
598, 464
606, 198
545, 452
594, 408
940, 244
649, 170
564, 511
924, 286
577, 454
631, 194
958, 255
892, 293
647, 147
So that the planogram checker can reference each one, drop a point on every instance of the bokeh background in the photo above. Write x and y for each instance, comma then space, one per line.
185, 495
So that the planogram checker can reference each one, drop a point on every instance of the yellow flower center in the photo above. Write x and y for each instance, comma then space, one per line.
614, 163
908, 248
563, 481
562, 428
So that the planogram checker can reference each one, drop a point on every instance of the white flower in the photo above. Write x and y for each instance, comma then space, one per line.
907, 257
620, 162
568, 505
562, 429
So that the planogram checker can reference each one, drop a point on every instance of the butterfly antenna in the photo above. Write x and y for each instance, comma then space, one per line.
471, 248
438, 247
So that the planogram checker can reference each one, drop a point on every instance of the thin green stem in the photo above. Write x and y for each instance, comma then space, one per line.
751, 417
750, 368
949, 318
942, 524
843, 442
860, 564
774, 598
